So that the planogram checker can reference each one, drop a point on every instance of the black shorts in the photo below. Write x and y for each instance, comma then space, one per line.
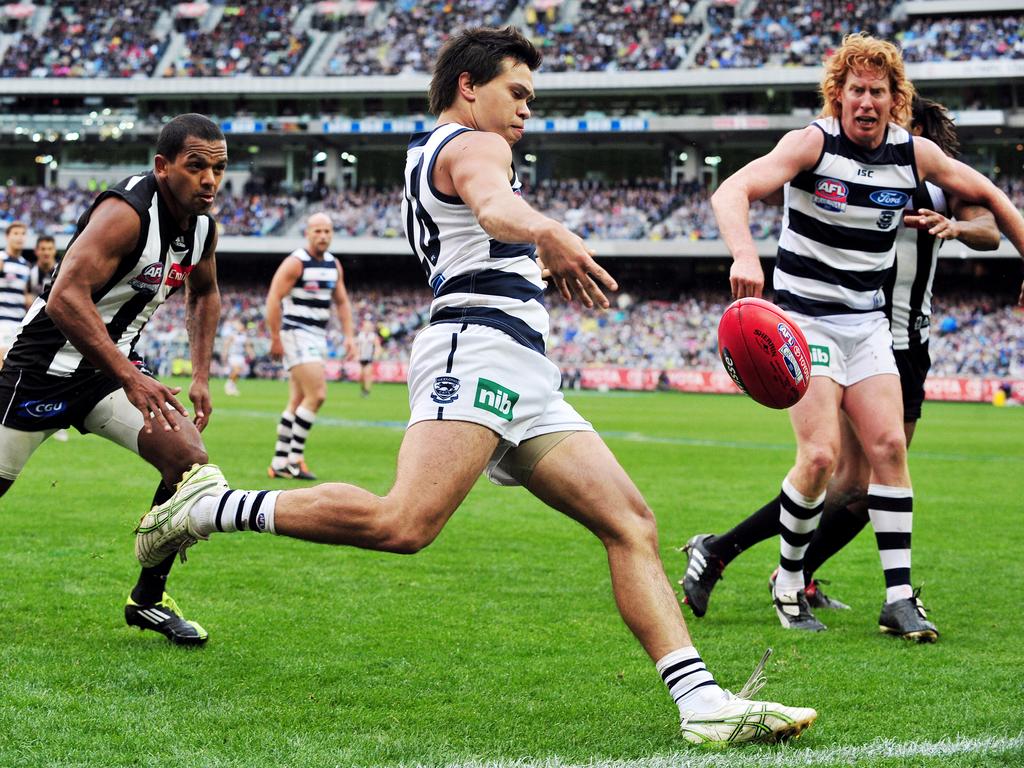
913, 365
35, 402
366, 362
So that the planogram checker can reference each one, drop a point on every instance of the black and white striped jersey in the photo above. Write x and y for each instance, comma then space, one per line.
908, 291
13, 283
840, 225
154, 269
307, 306
39, 281
475, 279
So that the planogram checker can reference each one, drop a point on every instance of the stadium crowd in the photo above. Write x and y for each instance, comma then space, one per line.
120, 39
971, 335
640, 209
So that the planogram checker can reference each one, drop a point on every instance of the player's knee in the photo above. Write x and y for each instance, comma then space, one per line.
634, 526
890, 449
819, 460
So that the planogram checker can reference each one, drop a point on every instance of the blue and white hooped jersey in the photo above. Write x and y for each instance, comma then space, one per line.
307, 306
14, 275
475, 279
839, 230
908, 291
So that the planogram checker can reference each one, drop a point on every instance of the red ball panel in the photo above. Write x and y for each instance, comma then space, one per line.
764, 352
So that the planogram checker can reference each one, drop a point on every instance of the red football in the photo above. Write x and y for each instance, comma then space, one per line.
765, 352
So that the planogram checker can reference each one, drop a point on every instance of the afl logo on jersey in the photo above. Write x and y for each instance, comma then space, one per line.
446, 390
149, 279
830, 195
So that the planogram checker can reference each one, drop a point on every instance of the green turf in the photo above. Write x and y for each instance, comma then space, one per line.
501, 640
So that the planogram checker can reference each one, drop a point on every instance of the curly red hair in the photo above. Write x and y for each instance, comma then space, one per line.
863, 53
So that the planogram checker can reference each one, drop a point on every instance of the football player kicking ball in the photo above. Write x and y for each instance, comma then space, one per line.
73, 362
848, 177
483, 395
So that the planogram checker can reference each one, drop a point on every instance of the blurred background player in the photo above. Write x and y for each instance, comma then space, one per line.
73, 362
368, 349
39, 279
14, 294
235, 344
483, 394
298, 310
930, 219
848, 177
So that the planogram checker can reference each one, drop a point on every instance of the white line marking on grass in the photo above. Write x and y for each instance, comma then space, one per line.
785, 756
635, 437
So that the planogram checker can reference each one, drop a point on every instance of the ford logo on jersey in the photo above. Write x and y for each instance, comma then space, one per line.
890, 198
831, 195
43, 409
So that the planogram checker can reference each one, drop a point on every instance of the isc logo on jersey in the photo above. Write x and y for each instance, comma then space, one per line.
831, 195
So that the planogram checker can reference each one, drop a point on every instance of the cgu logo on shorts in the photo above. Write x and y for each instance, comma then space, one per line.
149, 279
830, 195
491, 396
43, 409
820, 355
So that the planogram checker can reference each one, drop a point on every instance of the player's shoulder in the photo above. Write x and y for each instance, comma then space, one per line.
477, 144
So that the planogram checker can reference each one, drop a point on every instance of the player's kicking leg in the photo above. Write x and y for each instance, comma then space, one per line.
580, 477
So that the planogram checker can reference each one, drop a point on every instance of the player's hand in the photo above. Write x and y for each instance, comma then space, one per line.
571, 266
276, 349
350, 349
154, 400
746, 278
936, 224
199, 394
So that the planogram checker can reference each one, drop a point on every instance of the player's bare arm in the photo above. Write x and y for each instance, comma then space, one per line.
90, 262
284, 280
202, 315
344, 309
476, 166
968, 185
796, 151
972, 225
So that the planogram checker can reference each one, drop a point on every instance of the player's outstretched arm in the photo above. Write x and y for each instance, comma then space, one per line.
970, 186
761, 178
478, 164
972, 225
284, 280
111, 234
202, 315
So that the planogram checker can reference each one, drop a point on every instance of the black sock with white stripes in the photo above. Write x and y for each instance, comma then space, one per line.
689, 683
235, 511
892, 516
799, 516
284, 440
149, 589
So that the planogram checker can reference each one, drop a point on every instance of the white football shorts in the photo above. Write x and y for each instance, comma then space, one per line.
8, 332
302, 346
479, 374
848, 353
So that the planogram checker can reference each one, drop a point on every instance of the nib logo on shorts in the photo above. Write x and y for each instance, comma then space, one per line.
820, 355
491, 396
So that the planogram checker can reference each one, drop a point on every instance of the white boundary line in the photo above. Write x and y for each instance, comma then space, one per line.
785, 756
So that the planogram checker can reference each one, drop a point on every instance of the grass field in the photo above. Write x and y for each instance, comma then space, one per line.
499, 645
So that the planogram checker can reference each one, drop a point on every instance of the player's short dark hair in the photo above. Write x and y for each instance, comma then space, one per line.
479, 51
45, 239
173, 135
936, 124
15, 225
